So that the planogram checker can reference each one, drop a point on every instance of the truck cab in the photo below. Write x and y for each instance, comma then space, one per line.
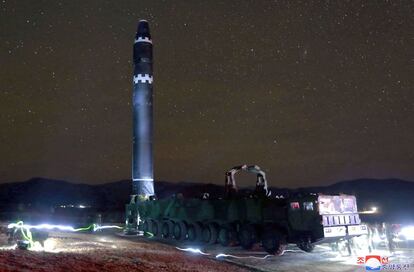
324, 218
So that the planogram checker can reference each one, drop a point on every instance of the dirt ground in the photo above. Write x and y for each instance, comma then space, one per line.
90, 252
107, 251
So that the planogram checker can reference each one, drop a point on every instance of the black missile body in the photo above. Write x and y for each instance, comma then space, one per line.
142, 155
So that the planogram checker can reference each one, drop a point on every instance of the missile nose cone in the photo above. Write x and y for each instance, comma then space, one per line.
143, 29
143, 43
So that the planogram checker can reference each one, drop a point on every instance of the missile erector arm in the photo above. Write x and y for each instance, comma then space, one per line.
230, 187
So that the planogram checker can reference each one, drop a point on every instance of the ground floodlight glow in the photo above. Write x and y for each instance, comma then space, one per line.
222, 255
371, 211
93, 227
96, 227
40, 227
8, 247
408, 232
35, 245
193, 250
49, 245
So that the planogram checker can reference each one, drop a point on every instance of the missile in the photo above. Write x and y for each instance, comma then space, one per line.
142, 101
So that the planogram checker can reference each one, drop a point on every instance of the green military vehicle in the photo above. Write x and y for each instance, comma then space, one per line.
248, 219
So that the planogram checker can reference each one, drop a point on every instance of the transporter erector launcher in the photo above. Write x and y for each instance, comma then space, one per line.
142, 157
235, 217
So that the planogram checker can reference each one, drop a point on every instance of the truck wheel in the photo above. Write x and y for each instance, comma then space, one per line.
273, 242
305, 244
247, 236
167, 228
199, 232
145, 226
155, 228
226, 236
210, 233
180, 230
195, 232
191, 233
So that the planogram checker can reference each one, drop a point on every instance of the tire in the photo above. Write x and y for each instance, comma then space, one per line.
145, 226
167, 229
191, 235
155, 228
247, 236
226, 236
210, 233
195, 232
273, 241
180, 230
305, 244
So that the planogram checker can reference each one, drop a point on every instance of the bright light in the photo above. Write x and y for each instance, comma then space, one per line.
222, 255
192, 250
50, 245
8, 247
408, 232
95, 227
79, 206
35, 245
41, 226
371, 211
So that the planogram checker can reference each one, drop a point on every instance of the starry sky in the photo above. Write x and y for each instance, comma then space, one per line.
312, 91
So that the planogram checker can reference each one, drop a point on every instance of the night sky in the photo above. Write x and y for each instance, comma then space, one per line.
313, 91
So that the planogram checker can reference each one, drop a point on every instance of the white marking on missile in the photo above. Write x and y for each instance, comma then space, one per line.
143, 39
143, 179
143, 78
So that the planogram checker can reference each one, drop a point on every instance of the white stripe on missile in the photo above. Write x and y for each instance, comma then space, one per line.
143, 39
143, 179
143, 78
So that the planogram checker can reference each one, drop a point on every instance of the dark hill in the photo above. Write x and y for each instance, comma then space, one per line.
393, 197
